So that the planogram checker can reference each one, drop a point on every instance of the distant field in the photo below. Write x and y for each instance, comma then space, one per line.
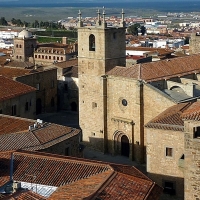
29, 14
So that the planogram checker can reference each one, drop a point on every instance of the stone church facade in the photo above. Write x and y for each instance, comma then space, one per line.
116, 101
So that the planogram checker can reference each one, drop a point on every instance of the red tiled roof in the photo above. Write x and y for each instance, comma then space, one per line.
170, 119
164, 69
80, 178
68, 63
11, 89
20, 64
173, 117
192, 113
15, 134
13, 72
160, 51
24, 195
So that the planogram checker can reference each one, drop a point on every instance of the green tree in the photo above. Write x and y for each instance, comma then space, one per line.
143, 30
133, 29
3, 21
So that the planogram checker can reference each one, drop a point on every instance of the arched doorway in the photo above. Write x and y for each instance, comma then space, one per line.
73, 106
125, 149
38, 106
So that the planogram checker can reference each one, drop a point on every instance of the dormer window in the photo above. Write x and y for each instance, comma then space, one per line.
92, 42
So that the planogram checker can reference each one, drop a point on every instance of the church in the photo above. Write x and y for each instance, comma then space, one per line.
115, 100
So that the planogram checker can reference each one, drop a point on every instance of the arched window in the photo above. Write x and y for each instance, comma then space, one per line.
92, 42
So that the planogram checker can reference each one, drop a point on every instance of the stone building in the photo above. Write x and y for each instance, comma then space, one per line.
173, 151
37, 135
115, 102
194, 43
16, 99
50, 53
43, 79
42, 176
67, 76
24, 46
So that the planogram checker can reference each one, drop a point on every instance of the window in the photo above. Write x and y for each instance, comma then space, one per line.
114, 35
26, 106
124, 102
66, 87
38, 86
196, 131
35, 56
52, 102
52, 84
1, 111
92, 42
67, 151
169, 152
14, 110
94, 105
169, 187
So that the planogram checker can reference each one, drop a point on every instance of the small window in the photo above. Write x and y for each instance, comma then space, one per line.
67, 151
66, 87
196, 132
38, 86
114, 35
14, 110
94, 105
92, 43
35, 56
169, 187
52, 102
124, 102
52, 84
26, 106
169, 152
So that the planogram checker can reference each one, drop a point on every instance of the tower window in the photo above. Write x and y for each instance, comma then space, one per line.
169, 152
92, 43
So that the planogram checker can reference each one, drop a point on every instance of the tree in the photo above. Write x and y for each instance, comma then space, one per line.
133, 29
143, 30
3, 21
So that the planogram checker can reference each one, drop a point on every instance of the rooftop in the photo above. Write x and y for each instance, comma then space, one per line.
159, 70
173, 117
11, 89
92, 179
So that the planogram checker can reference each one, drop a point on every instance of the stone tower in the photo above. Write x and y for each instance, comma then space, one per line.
194, 43
24, 46
192, 160
100, 48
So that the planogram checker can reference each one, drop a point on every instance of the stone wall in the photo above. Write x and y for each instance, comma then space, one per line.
24, 105
46, 84
164, 168
192, 162
69, 147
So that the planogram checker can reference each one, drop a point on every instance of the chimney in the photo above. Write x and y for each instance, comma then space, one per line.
64, 40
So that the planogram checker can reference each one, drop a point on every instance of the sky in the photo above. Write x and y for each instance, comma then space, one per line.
82, 1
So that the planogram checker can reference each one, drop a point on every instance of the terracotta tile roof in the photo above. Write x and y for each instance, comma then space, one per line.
13, 72
24, 195
170, 119
68, 63
11, 89
14, 134
160, 51
19, 64
164, 69
79, 178
120, 186
10, 124
192, 113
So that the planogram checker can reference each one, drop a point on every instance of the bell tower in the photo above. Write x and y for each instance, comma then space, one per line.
100, 48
